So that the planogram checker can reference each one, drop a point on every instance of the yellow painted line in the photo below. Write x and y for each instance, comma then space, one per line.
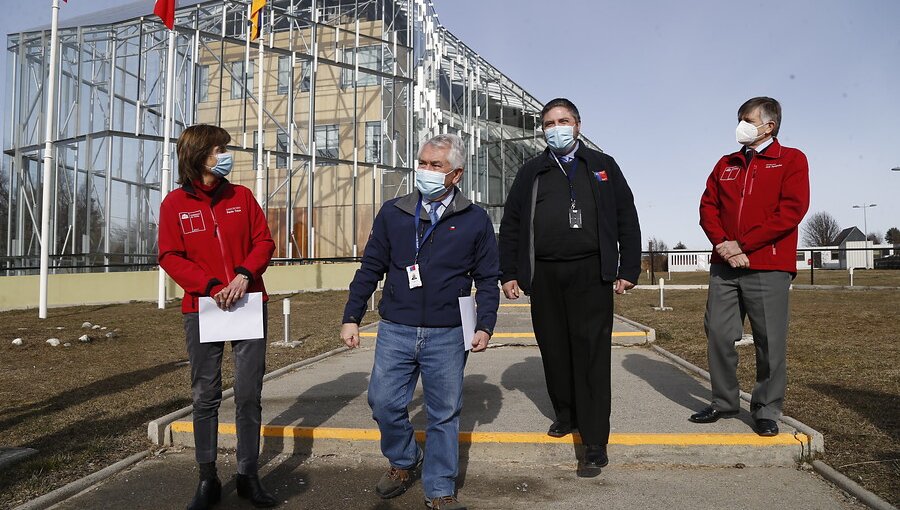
347, 434
372, 334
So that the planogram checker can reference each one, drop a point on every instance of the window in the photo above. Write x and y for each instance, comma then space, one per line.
304, 76
281, 160
284, 75
235, 22
369, 58
373, 142
203, 84
237, 79
801, 257
835, 255
327, 141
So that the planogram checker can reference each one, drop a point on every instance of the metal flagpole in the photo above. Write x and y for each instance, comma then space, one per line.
167, 148
260, 74
49, 132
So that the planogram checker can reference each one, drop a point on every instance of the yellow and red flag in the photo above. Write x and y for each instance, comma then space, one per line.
165, 9
256, 17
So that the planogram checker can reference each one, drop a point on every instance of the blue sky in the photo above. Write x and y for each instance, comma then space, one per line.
658, 84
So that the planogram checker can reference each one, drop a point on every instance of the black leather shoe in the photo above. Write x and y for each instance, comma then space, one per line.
249, 487
711, 415
766, 427
595, 458
559, 429
209, 492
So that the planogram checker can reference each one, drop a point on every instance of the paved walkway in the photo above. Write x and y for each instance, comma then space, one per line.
320, 446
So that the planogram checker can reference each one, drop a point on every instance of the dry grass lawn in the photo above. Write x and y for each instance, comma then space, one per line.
843, 370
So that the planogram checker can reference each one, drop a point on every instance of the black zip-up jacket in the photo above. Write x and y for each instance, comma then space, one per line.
618, 227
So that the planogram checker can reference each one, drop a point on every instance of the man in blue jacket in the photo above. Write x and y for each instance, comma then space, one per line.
431, 244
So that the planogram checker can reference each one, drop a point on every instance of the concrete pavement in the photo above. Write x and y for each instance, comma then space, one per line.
320, 445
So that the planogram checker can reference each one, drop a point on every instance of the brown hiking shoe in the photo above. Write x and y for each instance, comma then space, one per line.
444, 503
395, 481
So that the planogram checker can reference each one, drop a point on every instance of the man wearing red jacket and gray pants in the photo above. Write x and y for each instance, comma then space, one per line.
754, 200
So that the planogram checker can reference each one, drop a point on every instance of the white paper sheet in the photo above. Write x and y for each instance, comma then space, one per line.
467, 314
243, 321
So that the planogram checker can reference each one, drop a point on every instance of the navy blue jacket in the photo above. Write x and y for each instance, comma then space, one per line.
462, 248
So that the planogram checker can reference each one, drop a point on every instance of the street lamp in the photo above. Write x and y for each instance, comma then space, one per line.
865, 206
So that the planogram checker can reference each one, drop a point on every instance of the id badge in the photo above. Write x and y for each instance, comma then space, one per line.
574, 218
412, 273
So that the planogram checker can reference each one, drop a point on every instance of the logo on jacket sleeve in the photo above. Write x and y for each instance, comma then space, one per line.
191, 222
730, 173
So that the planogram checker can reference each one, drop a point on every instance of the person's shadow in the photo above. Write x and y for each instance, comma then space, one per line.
672, 383
311, 409
527, 376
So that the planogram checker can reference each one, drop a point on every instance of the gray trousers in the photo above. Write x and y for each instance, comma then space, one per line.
763, 297
206, 386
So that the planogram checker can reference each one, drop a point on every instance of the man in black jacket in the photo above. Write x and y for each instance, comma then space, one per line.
569, 237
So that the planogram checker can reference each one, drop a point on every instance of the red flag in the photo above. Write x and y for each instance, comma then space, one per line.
165, 9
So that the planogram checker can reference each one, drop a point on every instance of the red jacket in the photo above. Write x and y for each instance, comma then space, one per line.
204, 241
760, 207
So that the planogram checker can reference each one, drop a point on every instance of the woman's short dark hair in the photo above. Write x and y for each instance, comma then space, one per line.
769, 111
194, 145
565, 103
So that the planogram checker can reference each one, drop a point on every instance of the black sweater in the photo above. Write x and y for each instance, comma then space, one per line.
553, 239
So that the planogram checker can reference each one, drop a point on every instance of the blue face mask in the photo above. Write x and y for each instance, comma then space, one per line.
430, 183
560, 138
223, 164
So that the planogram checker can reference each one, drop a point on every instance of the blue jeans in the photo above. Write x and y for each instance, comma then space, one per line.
401, 353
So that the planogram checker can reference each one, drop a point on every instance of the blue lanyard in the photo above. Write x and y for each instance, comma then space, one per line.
416, 230
570, 175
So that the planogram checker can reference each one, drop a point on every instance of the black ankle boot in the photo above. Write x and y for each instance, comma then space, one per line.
249, 487
209, 492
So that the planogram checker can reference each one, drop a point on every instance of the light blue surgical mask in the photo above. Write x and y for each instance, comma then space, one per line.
223, 164
560, 138
430, 183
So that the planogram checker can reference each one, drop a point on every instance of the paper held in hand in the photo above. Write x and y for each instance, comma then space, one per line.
467, 314
243, 321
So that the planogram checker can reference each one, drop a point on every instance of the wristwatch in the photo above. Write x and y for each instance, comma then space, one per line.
247, 278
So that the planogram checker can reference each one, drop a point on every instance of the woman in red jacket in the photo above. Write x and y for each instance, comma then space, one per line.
214, 241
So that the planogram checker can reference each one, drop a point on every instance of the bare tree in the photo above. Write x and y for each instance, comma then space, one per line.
680, 246
875, 237
658, 248
893, 235
821, 229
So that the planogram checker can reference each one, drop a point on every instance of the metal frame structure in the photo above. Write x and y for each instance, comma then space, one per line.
340, 90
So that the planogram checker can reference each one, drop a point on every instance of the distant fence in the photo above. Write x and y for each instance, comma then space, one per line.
119, 263
815, 266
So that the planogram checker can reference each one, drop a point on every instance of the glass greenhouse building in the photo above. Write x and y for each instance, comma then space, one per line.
345, 89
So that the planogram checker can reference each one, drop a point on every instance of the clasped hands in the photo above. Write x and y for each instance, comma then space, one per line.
232, 292
732, 253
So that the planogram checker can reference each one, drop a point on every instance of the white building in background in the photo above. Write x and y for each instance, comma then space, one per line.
850, 250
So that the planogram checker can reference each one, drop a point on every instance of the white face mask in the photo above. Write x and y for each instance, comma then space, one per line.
746, 133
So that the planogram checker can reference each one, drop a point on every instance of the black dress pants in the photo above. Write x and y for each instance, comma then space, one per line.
572, 315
